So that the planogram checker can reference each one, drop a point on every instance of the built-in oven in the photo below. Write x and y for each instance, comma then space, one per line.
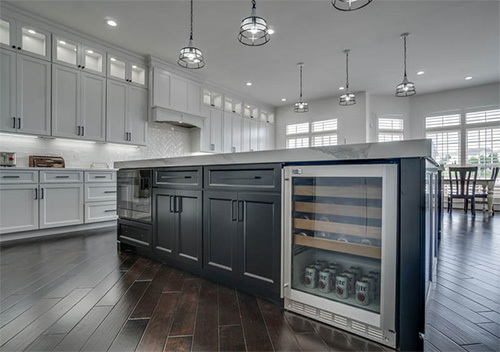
134, 194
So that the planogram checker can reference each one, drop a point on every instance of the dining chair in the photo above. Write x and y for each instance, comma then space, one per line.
462, 186
484, 195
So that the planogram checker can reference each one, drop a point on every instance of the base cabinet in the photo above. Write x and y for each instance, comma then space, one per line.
18, 208
61, 205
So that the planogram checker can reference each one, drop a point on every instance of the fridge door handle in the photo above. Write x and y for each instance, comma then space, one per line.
178, 204
241, 214
234, 210
172, 205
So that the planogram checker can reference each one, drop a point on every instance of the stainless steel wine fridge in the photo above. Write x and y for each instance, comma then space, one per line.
340, 246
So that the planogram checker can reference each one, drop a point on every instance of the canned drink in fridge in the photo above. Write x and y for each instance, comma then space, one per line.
363, 292
372, 281
357, 271
325, 281
322, 263
351, 275
311, 276
335, 266
341, 288
376, 275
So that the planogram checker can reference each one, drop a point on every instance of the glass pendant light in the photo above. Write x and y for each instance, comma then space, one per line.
253, 29
301, 106
347, 98
190, 56
405, 88
350, 5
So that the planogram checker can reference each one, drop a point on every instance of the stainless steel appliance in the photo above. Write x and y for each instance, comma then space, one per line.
343, 217
8, 159
134, 194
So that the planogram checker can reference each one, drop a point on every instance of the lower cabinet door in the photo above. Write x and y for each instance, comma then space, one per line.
259, 243
100, 211
189, 226
18, 208
135, 234
164, 226
220, 232
61, 205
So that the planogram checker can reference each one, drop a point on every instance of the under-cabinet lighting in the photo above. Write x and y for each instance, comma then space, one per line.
74, 141
17, 135
115, 145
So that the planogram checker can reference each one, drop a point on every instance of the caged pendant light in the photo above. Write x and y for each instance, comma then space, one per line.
190, 56
301, 106
350, 5
405, 88
347, 98
253, 29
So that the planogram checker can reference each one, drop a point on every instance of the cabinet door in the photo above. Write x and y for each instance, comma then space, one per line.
93, 60
270, 136
66, 52
262, 136
7, 91
259, 238
194, 98
93, 107
189, 240
220, 228
33, 41
254, 135
216, 131
164, 226
18, 208
61, 205
236, 132
116, 111
7, 30
227, 133
33, 95
65, 101
161, 88
246, 135
178, 93
137, 115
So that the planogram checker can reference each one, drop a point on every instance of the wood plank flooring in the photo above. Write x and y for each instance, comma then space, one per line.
80, 294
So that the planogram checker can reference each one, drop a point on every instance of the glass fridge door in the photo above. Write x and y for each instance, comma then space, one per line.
340, 253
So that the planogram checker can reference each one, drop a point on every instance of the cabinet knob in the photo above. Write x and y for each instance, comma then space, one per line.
18, 48
79, 66
83, 66
14, 46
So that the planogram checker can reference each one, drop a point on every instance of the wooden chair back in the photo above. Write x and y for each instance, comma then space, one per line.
463, 181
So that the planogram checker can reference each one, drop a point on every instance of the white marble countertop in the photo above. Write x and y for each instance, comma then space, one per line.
14, 168
415, 148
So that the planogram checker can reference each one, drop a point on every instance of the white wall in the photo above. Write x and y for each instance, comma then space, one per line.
456, 100
163, 140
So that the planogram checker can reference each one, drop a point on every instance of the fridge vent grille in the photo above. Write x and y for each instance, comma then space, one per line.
337, 319
310, 310
358, 327
375, 333
297, 306
325, 315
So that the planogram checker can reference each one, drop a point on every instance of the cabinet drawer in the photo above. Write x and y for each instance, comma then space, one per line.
100, 211
61, 176
178, 177
244, 177
99, 176
15, 176
100, 192
134, 233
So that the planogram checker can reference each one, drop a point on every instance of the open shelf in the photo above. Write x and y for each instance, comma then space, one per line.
338, 209
364, 192
336, 227
331, 245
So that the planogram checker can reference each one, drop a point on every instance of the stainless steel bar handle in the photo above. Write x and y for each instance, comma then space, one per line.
10, 176
110, 210
36, 193
83, 130
19, 123
130, 136
109, 191
79, 131
13, 122
62, 176
42, 195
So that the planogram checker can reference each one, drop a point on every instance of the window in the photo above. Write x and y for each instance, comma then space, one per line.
482, 116
390, 128
447, 145
483, 149
316, 134
442, 121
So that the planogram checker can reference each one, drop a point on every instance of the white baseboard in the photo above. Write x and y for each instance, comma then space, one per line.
67, 230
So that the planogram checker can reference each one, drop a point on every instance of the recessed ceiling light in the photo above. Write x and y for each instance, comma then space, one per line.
341, 88
468, 78
110, 22
113, 59
249, 84
420, 72
271, 30
31, 31
283, 99
90, 51
62, 42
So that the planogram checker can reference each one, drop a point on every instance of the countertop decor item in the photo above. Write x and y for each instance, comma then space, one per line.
253, 29
46, 161
350, 5
405, 88
301, 106
347, 98
191, 57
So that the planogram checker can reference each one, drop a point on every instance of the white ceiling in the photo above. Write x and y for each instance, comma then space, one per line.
449, 41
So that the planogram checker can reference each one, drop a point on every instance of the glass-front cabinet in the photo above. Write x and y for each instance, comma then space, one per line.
74, 54
125, 70
25, 38
340, 246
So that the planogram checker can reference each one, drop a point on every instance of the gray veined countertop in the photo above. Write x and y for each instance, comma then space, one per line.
415, 148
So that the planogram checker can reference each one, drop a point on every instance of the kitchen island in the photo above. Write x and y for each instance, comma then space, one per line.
259, 221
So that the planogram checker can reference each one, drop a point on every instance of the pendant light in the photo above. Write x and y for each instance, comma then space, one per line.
405, 88
190, 56
253, 29
301, 106
347, 98
350, 5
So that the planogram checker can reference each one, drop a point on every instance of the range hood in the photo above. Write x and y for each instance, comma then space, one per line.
159, 114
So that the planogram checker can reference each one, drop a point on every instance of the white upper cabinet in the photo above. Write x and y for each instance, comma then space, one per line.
233, 105
237, 134
245, 135
126, 70
254, 135
213, 99
8, 108
262, 144
76, 55
24, 38
270, 129
270, 118
227, 138
137, 115
93, 107
251, 111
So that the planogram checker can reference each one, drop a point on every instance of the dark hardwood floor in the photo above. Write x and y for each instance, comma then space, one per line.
78, 293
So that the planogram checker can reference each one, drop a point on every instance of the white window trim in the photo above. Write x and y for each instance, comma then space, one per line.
310, 135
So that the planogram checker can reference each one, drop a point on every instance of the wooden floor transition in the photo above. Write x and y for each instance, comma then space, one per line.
78, 293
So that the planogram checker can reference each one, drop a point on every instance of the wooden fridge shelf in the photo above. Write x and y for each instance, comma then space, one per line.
358, 192
338, 209
337, 227
330, 245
